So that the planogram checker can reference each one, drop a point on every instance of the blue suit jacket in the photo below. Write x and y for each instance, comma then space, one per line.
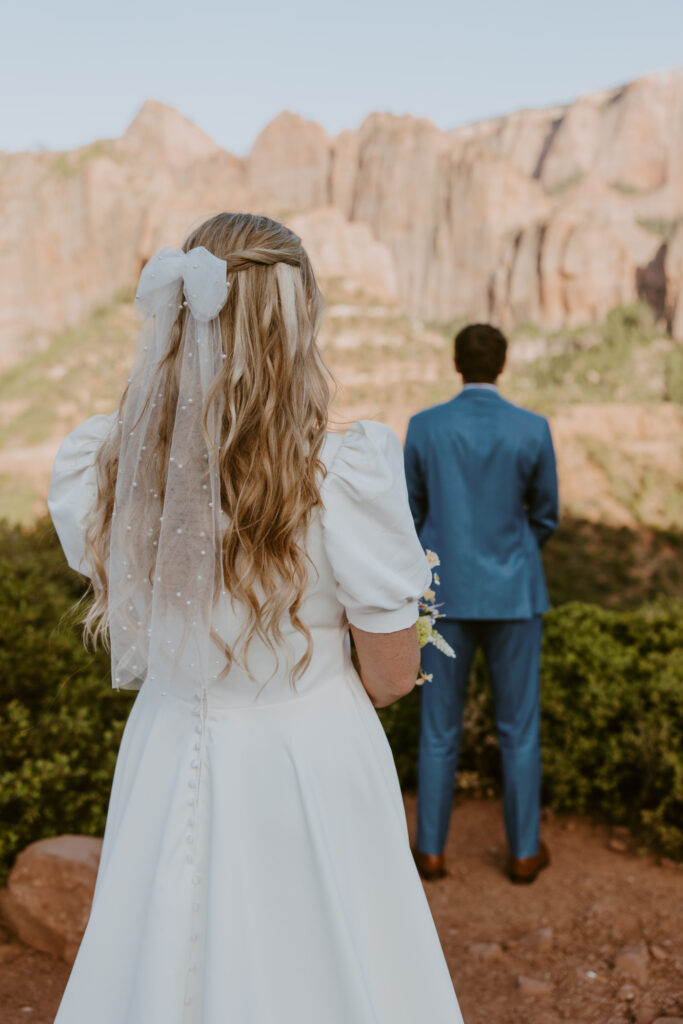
482, 484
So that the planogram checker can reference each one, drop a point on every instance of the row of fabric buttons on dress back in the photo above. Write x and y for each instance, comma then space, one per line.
199, 710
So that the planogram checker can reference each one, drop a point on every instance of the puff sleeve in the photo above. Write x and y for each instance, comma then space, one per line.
73, 485
369, 536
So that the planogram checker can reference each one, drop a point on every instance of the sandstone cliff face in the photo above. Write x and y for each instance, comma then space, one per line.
344, 249
569, 267
290, 163
550, 216
674, 279
77, 226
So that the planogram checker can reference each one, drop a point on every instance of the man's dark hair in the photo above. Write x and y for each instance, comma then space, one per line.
480, 353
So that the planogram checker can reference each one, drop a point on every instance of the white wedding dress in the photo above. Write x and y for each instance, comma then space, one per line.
256, 866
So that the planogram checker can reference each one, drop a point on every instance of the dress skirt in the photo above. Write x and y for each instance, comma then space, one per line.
256, 869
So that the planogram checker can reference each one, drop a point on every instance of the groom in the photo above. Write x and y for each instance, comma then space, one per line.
483, 492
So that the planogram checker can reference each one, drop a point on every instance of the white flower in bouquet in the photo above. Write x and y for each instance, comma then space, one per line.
427, 633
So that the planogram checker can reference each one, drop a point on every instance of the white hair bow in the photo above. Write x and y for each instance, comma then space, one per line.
201, 274
164, 536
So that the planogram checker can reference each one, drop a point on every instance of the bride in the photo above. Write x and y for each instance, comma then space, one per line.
256, 866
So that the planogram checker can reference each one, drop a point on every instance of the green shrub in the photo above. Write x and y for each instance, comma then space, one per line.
612, 722
663, 227
613, 362
560, 187
613, 717
612, 711
673, 374
60, 720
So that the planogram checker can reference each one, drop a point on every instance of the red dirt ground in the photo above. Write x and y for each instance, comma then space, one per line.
596, 902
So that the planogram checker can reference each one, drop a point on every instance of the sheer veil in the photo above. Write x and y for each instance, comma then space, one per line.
164, 568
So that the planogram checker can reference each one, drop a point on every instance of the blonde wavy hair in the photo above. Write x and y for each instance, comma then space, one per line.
275, 417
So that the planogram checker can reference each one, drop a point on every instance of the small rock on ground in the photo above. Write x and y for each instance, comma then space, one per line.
621, 832
541, 940
9, 951
646, 1011
485, 950
633, 962
534, 987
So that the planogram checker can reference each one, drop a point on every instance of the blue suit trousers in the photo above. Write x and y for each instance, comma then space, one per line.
512, 651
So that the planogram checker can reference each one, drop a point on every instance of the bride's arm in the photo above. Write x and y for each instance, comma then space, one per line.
376, 558
388, 663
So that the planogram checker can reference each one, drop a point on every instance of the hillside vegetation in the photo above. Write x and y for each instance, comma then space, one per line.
614, 395
611, 710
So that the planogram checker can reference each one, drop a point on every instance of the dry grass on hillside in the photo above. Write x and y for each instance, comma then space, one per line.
595, 385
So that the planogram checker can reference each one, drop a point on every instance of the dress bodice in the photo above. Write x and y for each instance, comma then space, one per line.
367, 567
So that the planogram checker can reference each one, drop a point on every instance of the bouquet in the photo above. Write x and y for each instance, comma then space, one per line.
427, 633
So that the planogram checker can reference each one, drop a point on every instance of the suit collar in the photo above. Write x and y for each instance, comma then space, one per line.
480, 387
485, 394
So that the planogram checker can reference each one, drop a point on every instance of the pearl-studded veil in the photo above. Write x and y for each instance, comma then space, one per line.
164, 570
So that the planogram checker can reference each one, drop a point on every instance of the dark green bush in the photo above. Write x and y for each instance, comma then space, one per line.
613, 717
612, 711
60, 720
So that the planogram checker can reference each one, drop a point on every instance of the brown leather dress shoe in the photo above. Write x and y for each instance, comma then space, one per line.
523, 870
430, 865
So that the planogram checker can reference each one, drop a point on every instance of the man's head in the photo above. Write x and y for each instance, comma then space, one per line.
480, 353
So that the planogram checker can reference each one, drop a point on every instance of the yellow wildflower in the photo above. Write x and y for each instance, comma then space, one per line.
424, 630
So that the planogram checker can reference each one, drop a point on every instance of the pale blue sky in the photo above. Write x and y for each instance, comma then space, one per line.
76, 70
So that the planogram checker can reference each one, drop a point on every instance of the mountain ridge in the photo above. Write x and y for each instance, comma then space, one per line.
550, 216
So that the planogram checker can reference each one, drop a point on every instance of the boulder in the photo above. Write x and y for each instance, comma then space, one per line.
49, 892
